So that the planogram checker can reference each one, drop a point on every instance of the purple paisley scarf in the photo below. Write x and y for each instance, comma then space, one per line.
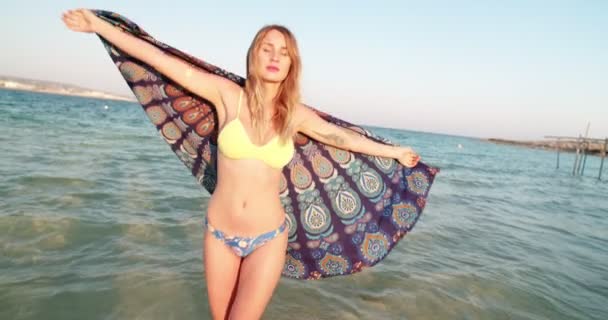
346, 210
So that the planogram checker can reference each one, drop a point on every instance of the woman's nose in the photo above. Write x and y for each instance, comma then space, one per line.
274, 56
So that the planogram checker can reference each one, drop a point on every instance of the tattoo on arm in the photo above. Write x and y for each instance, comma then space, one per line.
336, 139
351, 132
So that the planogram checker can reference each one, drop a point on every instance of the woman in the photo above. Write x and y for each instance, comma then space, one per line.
244, 248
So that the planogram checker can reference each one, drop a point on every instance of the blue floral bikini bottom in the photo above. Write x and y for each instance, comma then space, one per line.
243, 246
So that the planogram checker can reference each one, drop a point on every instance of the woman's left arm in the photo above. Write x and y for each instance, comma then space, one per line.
309, 123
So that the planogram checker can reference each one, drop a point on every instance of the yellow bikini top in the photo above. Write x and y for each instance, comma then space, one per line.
234, 143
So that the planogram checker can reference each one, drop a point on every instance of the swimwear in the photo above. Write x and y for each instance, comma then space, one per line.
234, 143
243, 246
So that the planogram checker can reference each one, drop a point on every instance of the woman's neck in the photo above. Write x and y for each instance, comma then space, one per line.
270, 90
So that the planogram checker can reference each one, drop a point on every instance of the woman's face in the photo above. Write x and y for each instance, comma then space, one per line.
273, 60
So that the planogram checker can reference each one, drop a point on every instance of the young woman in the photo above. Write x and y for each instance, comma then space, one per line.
244, 248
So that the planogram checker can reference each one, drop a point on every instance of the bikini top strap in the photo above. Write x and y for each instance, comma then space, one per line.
239, 107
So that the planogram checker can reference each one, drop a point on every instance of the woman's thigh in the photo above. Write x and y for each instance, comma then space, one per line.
221, 274
259, 275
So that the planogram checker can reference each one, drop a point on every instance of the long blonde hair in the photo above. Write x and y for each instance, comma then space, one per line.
288, 94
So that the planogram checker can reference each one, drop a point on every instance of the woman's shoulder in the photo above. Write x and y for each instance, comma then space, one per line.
230, 91
302, 113
229, 97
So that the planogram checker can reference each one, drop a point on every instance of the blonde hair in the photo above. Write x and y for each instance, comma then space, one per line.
288, 94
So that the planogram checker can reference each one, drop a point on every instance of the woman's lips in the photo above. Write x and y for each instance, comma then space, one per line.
272, 69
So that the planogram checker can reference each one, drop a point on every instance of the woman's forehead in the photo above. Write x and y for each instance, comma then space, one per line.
274, 38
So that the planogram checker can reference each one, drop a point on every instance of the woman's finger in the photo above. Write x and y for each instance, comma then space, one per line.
70, 17
72, 14
73, 26
67, 22
71, 20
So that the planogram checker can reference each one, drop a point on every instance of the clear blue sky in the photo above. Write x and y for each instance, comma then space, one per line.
508, 69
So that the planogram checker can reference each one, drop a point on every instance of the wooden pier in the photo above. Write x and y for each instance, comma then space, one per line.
583, 148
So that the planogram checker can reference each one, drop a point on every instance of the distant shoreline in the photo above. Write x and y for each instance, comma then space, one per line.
566, 146
21, 84
101, 97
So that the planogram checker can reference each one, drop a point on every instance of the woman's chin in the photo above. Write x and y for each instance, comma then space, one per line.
272, 78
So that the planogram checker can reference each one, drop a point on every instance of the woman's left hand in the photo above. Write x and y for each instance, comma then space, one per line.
408, 157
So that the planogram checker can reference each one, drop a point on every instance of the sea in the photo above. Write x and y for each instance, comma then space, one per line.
99, 219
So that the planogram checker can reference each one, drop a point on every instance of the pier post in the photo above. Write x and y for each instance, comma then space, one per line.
585, 149
557, 167
603, 154
576, 161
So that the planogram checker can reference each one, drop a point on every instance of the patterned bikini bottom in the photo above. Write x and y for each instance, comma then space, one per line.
243, 246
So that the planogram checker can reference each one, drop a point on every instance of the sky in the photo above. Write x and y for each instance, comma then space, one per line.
489, 69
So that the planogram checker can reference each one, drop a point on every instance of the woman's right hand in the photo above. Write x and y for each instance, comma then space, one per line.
80, 20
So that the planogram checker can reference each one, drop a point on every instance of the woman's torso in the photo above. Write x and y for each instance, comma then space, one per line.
246, 197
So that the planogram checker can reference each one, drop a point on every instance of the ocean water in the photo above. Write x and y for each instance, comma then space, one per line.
90, 230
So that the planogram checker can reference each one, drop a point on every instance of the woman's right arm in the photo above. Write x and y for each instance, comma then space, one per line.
200, 82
